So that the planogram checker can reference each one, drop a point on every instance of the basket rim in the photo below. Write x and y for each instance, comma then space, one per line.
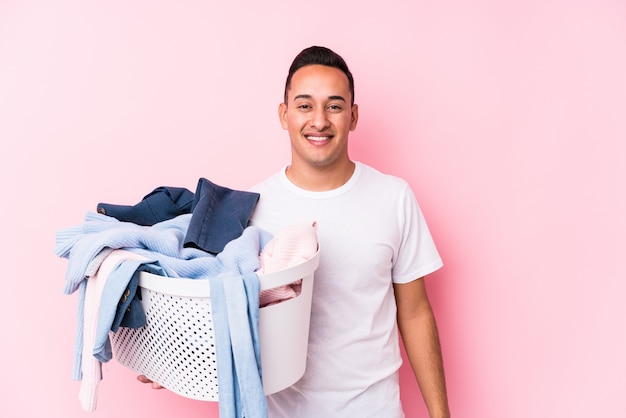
185, 287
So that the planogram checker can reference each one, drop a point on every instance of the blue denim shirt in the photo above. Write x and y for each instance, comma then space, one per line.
113, 305
220, 214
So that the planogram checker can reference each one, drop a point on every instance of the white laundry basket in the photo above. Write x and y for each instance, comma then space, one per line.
177, 349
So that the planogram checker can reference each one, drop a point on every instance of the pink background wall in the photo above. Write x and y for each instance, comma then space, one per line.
507, 118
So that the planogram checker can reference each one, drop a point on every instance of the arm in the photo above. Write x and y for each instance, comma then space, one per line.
418, 328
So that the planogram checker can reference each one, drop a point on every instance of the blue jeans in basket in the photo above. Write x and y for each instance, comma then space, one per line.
219, 215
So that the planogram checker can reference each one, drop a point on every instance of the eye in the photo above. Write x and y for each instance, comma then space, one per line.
335, 108
304, 106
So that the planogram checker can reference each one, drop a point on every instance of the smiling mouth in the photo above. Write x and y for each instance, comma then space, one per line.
317, 138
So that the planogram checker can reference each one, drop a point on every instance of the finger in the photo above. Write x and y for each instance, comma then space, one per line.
143, 379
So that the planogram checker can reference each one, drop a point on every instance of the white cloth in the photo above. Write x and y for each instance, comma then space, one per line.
371, 233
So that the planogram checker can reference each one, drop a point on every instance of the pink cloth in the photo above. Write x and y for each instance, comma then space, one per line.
290, 246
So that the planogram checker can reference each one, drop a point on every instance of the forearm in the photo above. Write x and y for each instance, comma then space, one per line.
421, 341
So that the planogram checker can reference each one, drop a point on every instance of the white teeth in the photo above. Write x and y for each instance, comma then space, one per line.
318, 138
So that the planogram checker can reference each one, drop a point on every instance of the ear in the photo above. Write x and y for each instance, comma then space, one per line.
282, 115
355, 117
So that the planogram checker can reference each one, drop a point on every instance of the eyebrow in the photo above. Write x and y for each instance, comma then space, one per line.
308, 96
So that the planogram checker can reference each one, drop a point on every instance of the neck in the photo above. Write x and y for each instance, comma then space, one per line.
320, 179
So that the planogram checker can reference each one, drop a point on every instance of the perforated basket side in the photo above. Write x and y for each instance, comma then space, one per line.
176, 347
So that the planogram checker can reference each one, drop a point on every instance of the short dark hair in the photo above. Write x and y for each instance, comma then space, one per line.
319, 55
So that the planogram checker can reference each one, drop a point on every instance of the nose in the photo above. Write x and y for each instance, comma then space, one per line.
319, 119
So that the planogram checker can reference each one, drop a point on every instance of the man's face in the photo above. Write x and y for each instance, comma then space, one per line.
318, 116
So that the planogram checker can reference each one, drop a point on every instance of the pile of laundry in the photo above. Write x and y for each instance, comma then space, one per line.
176, 233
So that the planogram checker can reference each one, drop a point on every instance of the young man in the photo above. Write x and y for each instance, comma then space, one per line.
375, 248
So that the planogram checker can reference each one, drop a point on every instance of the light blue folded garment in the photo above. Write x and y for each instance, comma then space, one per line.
234, 294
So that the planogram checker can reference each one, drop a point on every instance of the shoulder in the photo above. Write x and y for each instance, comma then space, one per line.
371, 177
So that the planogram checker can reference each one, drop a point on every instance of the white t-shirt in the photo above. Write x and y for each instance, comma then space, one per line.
372, 234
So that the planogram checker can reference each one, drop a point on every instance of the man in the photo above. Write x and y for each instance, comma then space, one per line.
375, 248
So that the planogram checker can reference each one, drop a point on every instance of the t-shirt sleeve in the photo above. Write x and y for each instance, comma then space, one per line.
417, 254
